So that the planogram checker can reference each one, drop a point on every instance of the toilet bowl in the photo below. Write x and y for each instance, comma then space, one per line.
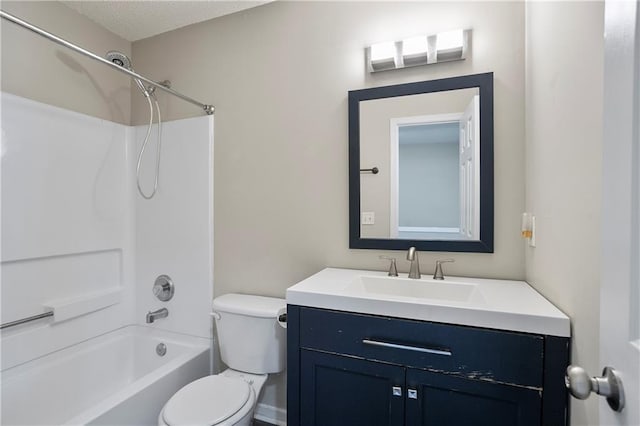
252, 343
225, 399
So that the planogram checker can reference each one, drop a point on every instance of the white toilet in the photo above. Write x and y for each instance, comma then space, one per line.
252, 344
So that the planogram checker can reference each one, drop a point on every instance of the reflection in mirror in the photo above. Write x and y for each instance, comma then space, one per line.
433, 190
426, 147
425, 202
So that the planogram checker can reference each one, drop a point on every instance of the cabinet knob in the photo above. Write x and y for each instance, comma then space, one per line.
412, 393
397, 391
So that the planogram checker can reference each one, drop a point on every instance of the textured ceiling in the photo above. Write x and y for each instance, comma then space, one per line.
135, 20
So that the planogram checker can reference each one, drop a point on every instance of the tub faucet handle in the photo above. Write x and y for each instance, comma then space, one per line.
438, 275
393, 269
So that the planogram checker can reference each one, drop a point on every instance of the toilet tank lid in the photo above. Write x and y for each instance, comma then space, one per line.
245, 304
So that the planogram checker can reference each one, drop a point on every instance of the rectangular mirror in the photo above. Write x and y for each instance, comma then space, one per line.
421, 165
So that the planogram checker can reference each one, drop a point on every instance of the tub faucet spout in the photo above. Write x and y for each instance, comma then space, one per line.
160, 313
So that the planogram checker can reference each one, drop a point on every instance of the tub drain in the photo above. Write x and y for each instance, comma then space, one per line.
161, 349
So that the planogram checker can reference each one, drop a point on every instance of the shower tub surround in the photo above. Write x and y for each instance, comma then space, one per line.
78, 239
114, 379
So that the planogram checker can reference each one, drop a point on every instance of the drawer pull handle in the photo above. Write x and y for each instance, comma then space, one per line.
406, 348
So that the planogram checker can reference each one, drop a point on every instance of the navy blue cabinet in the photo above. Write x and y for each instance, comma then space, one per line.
345, 391
438, 399
355, 369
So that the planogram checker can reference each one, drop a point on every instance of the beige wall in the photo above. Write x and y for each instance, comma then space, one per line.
35, 68
279, 76
563, 174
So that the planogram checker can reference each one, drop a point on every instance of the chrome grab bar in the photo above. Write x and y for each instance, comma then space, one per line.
406, 348
27, 319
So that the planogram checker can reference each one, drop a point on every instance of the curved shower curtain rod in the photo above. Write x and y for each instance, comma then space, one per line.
206, 108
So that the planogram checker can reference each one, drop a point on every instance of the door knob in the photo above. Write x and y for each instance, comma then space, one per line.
580, 385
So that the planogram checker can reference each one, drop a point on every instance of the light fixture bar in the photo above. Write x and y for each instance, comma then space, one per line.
421, 50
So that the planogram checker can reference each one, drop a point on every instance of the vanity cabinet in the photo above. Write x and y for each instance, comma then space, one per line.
357, 369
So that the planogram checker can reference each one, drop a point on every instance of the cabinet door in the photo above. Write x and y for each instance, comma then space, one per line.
447, 400
345, 391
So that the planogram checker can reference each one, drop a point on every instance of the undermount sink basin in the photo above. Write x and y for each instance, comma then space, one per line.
444, 291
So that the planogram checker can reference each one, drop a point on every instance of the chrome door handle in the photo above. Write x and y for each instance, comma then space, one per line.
370, 342
580, 385
396, 391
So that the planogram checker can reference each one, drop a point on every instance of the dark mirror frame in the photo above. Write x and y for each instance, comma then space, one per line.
484, 82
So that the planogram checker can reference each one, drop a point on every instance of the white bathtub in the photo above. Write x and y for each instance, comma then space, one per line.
113, 379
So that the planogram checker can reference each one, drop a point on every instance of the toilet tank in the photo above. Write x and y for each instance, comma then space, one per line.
249, 335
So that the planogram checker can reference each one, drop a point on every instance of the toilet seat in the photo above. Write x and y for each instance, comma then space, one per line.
207, 401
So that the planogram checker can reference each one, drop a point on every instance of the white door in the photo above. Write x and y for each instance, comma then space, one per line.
620, 277
470, 170
620, 287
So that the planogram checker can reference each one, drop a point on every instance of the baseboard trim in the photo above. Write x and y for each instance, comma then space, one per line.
270, 414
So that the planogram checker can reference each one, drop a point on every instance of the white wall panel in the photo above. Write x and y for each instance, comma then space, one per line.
64, 181
67, 224
174, 230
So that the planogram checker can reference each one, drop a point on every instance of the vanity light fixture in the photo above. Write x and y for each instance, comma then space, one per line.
415, 51
449, 46
421, 50
383, 56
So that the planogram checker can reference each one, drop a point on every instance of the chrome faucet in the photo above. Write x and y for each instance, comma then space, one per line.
414, 269
438, 275
160, 313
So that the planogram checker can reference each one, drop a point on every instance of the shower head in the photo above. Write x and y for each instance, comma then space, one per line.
119, 59
123, 61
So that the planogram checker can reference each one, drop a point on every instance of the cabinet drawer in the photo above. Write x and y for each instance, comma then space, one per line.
481, 354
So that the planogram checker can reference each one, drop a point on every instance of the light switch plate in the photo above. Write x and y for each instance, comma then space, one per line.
368, 218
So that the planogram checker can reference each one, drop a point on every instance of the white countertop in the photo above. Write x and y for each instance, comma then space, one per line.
498, 304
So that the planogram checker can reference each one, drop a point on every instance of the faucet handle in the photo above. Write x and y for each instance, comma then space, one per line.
393, 270
438, 275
